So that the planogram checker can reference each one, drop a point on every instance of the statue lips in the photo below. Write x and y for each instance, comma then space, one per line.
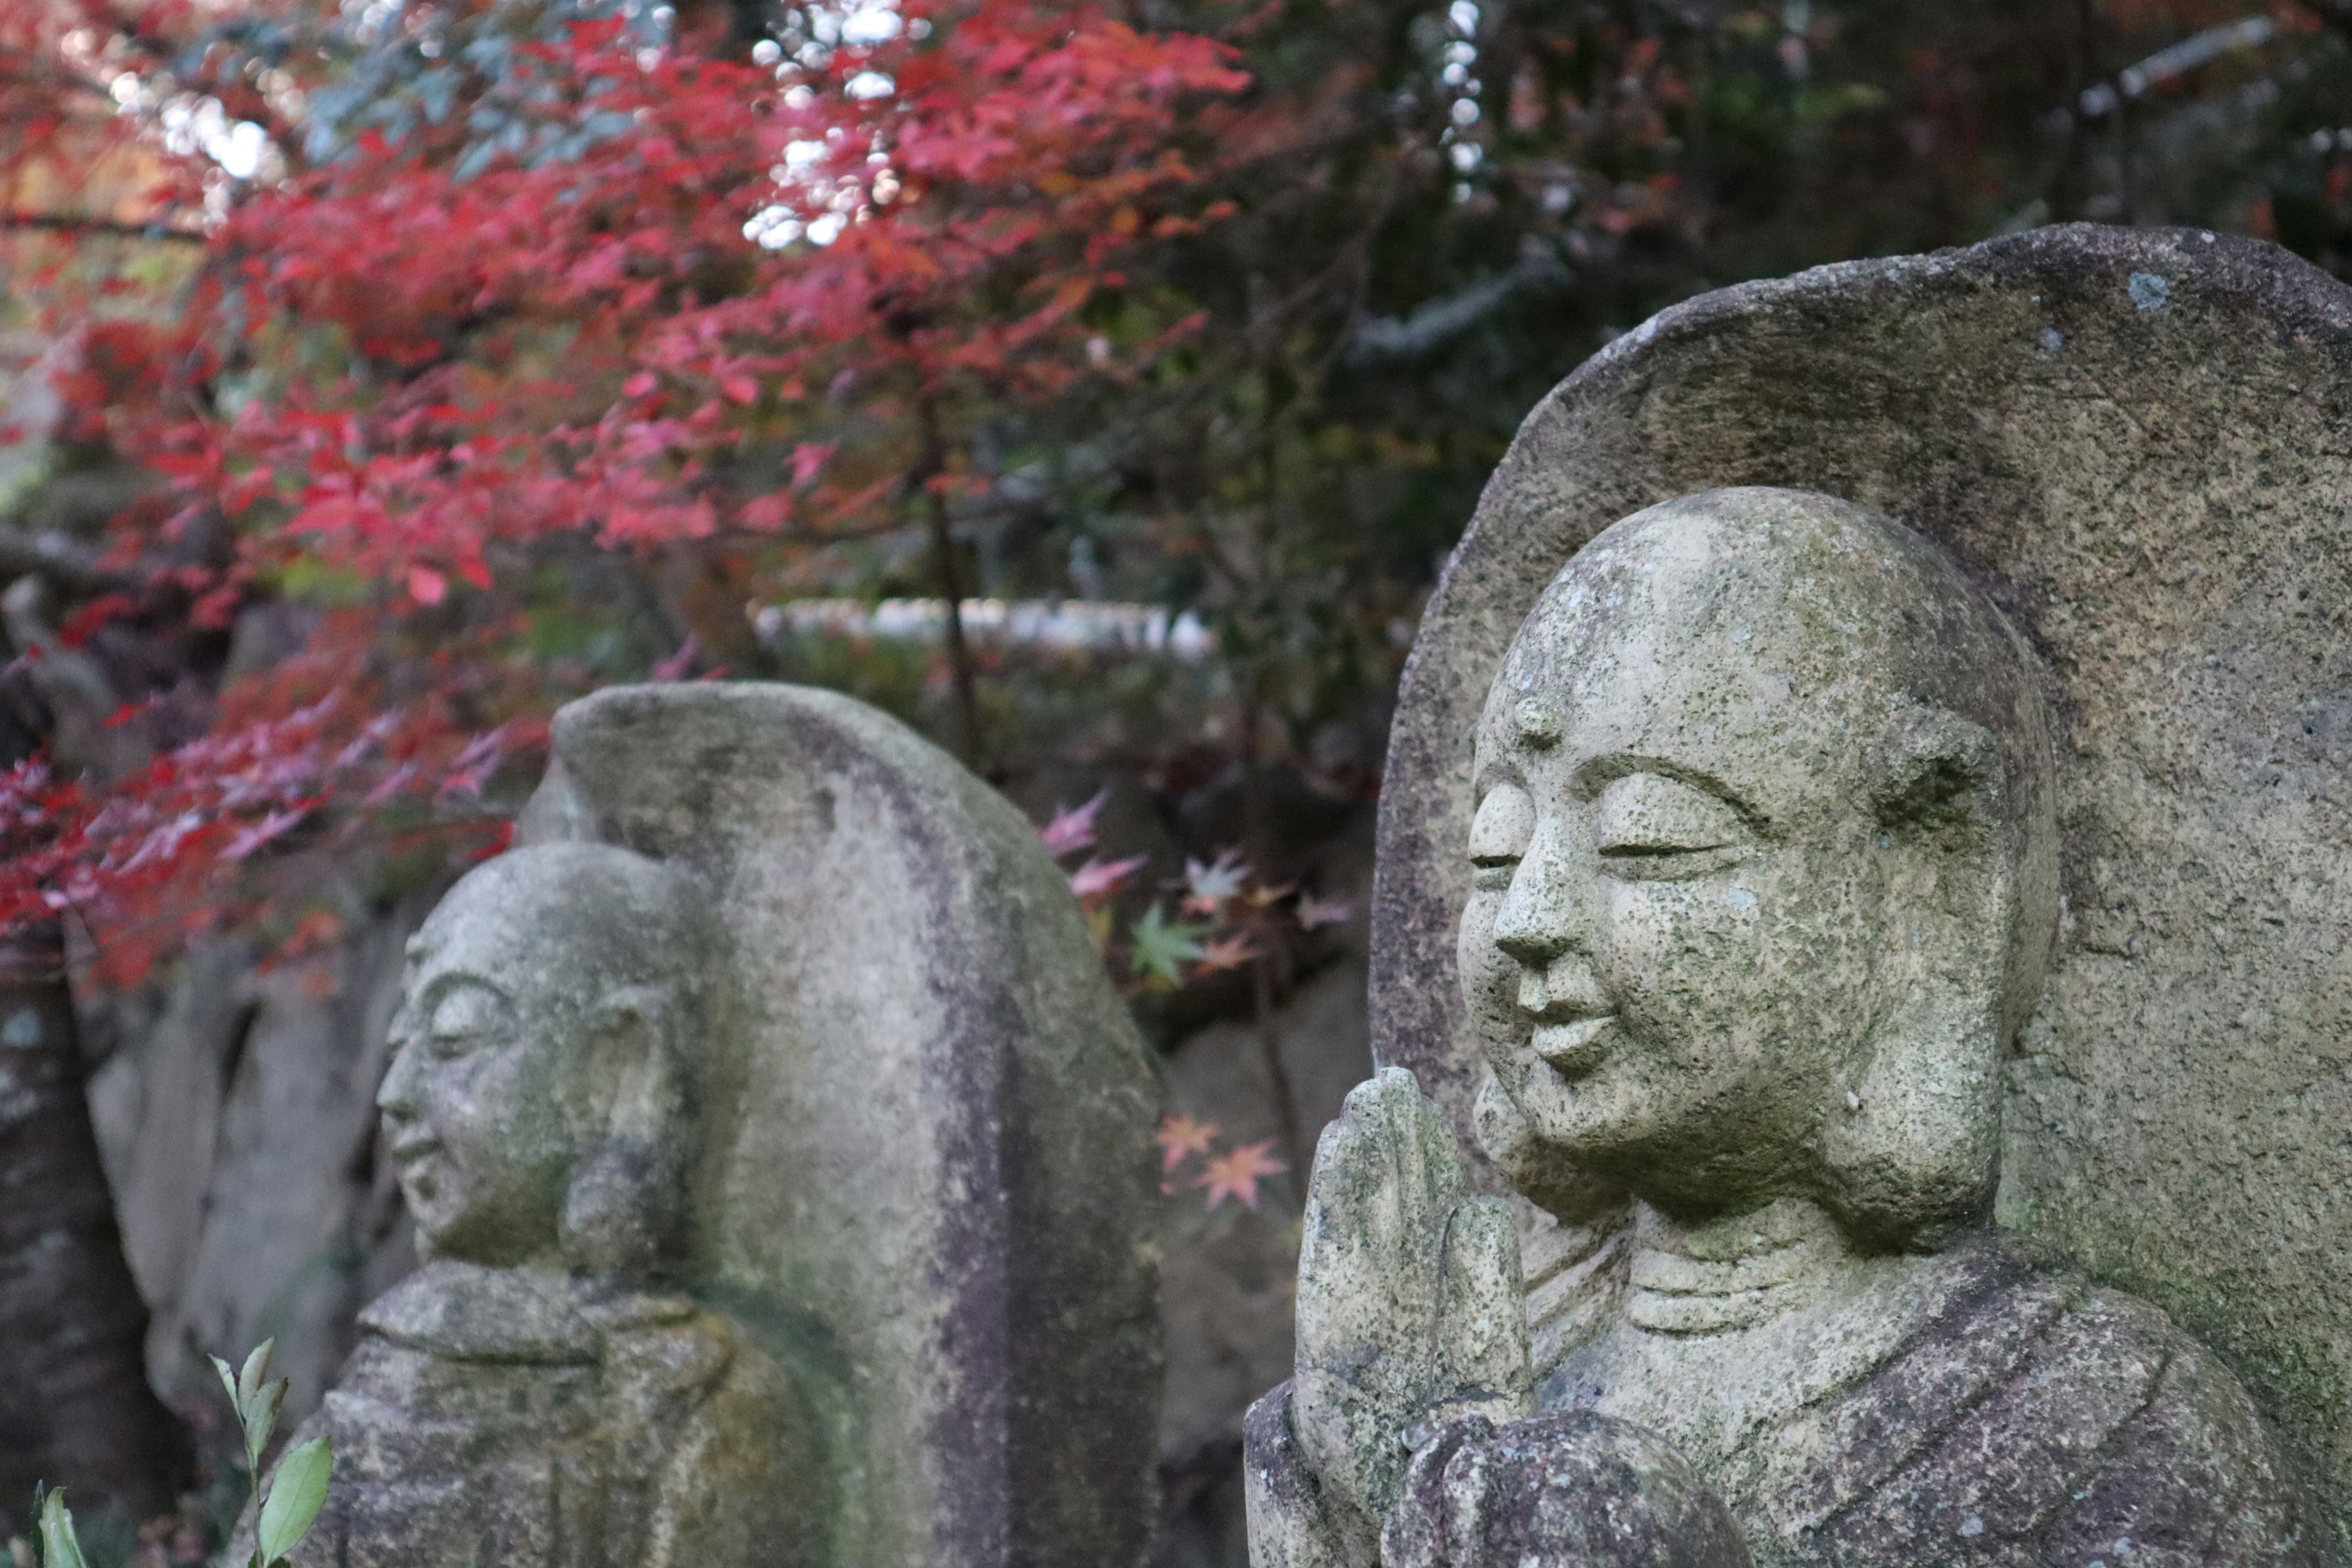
1575, 1047
1569, 1014
409, 1155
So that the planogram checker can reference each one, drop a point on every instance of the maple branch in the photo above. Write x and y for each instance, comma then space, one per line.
59, 557
67, 222
62, 80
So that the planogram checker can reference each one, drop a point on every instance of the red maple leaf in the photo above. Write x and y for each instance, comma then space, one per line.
1074, 829
1235, 1172
1226, 953
1181, 1137
1100, 879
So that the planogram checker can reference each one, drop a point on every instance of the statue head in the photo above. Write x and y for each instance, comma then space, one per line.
1765, 870
540, 1102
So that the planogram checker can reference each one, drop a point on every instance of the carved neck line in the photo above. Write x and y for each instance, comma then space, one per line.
1721, 1275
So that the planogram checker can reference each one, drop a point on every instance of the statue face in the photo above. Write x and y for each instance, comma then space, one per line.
489, 1104
1674, 947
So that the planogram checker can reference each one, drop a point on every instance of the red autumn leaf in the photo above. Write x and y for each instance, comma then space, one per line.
1182, 1137
1100, 879
1074, 829
1236, 1173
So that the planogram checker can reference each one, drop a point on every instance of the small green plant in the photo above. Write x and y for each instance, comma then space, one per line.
288, 1510
60, 1547
290, 1504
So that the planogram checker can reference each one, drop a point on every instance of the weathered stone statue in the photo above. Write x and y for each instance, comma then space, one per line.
1766, 878
1874, 968
780, 1162
540, 1392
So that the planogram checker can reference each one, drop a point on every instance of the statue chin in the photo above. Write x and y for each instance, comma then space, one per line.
1546, 1175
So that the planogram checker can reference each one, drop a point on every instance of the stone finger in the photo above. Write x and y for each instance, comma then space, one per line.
1484, 1322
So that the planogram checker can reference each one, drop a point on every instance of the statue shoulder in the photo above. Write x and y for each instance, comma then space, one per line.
2041, 1412
743, 1475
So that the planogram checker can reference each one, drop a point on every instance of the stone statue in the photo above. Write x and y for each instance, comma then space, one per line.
1765, 881
541, 1391
781, 1167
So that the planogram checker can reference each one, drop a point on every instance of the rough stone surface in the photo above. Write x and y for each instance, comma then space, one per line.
1577, 1490
1764, 884
2152, 487
927, 1185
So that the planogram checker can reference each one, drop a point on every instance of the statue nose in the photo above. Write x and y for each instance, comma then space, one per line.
395, 1097
1533, 946
1547, 906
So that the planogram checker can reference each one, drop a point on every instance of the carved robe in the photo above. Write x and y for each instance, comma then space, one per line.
491, 1416
2025, 1420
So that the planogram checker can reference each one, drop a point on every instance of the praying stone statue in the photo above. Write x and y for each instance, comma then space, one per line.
1896, 985
539, 1390
781, 1163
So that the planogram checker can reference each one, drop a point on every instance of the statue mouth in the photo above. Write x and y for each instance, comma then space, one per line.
1574, 1049
410, 1153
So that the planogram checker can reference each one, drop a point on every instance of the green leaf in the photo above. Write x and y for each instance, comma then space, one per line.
228, 1381
60, 1547
260, 1414
256, 1370
297, 1492
1158, 949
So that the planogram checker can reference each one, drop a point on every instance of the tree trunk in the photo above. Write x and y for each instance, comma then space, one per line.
934, 463
76, 1409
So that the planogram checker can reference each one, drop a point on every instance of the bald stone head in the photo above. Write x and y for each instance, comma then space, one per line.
1765, 870
539, 1105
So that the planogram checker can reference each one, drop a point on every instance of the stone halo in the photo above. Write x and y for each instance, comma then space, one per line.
2154, 485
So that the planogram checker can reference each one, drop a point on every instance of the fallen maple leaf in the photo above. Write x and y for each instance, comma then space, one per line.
1206, 886
1179, 1136
1226, 953
1074, 829
1235, 1172
1100, 879
1314, 911
1160, 950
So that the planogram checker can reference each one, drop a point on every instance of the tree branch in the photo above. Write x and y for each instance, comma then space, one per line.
64, 560
69, 223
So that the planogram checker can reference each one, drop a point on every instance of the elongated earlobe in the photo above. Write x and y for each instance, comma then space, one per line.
1910, 1141
1911, 1148
623, 1211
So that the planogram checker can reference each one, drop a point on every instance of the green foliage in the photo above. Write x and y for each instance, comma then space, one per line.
289, 1506
60, 1547
1160, 948
297, 1492
290, 1503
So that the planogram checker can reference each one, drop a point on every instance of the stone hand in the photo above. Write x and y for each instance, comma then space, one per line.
1410, 1309
1575, 1490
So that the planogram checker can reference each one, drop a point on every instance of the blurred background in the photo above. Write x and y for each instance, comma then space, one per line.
1100, 389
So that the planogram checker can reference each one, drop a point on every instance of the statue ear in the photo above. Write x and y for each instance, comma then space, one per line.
1936, 774
631, 1027
623, 1208
1911, 1139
